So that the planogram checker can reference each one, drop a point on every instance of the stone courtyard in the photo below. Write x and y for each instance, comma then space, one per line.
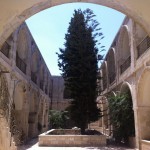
27, 86
33, 145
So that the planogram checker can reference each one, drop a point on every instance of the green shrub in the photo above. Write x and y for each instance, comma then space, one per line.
58, 119
122, 117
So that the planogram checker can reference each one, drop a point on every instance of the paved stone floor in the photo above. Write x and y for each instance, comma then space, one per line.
33, 145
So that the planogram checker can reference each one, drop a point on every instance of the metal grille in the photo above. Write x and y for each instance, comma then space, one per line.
46, 90
104, 82
41, 85
20, 64
112, 77
34, 77
143, 46
5, 49
125, 64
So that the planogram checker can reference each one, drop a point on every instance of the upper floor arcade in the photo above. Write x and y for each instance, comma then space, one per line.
128, 52
21, 55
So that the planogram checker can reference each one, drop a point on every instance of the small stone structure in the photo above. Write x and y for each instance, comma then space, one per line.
145, 145
48, 139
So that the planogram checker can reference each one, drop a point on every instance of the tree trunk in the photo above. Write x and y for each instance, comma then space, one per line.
82, 130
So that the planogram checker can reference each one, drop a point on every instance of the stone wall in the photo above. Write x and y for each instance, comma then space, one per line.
58, 100
145, 145
27, 95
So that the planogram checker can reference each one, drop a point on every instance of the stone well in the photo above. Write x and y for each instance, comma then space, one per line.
50, 139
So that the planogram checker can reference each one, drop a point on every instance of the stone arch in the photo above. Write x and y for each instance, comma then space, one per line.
143, 102
33, 117
111, 63
22, 44
34, 102
42, 72
127, 89
35, 62
45, 114
40, 114
6, 47
50, 87
19, 95
105, 75
22, 50
4, 111
21, 109
4, 96
124, 54
34, 66
46, 80
140, 33
142, 40
113, 93
14, 19
99, 82
103, 105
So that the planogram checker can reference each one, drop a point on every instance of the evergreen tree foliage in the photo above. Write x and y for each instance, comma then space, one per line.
79, 65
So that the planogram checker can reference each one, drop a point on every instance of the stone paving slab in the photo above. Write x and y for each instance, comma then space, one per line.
76, 148
33, 145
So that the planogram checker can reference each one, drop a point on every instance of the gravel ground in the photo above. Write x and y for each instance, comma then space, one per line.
33, 145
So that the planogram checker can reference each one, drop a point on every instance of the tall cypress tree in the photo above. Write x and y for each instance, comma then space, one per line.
79, 65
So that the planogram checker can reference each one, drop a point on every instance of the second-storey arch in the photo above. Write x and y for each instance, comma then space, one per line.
22, 50
34, 66
46, 81
111, 63
142, 40
104, 75
41, 77
124, 54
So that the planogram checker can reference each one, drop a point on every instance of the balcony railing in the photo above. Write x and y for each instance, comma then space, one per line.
99, 88
20, 64
112, 78
104, 83
46, 90
143, 46
34, 77
125, 64
41, 85
50, 94
5, 49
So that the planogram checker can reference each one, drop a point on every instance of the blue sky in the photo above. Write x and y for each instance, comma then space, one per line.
49, 27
